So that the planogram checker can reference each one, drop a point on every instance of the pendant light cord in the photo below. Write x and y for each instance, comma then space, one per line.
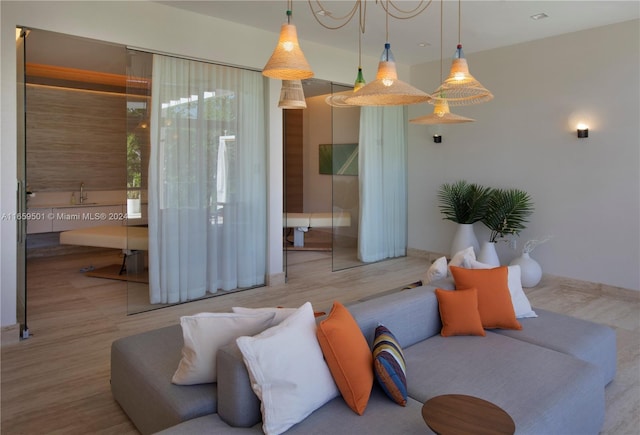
441, 26
387, 21
459, 21
360, 32
318, 10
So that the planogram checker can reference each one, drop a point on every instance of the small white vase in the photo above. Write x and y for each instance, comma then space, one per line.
488, 254
463, 238
530, 270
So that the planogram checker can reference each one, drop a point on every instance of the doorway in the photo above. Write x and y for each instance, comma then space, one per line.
321, 202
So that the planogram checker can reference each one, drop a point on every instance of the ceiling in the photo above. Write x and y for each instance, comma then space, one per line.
484, 24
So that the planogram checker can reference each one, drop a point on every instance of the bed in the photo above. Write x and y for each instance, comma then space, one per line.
302, 222
132, 240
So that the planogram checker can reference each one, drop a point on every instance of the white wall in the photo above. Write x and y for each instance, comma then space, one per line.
150, 26
586, 191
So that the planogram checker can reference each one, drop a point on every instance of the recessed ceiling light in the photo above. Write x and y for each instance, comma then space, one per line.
539, 16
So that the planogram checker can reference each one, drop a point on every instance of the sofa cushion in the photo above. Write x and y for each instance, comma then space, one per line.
380, 417
204, 333
238, 405
389, 366
334, 417
208, 424
494, 299
279, 361
459, 312
141, 369
544, 391
589, 341
348, 356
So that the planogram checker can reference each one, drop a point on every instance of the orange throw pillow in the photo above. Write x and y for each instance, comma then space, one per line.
459, 312
494, 298
348, 356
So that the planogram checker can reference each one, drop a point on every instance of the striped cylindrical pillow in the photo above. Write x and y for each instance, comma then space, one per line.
389, 365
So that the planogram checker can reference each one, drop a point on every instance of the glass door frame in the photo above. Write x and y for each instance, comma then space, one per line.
345, 202
21, 175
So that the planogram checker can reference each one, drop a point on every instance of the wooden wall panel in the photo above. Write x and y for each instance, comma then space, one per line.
294, 161
75, 136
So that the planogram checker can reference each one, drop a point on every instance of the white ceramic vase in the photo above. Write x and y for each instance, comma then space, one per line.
530, 270
463, 238
488, 254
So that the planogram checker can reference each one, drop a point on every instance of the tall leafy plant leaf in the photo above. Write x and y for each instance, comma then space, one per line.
507, 212
463, 202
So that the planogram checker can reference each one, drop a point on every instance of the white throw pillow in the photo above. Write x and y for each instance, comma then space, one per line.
521, 304
280, 313
287, 370
204, 334
436, 271
463, 258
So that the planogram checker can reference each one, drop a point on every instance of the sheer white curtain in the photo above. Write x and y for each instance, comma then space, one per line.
383, 183
207, 180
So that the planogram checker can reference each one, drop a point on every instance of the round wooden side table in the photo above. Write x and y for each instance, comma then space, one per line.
459, 414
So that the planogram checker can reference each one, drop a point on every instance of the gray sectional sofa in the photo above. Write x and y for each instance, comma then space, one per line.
549, 377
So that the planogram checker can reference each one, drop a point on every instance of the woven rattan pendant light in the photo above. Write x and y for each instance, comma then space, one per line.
292, 95
441, 113
287, 61
338, 99
460, 87
386, 89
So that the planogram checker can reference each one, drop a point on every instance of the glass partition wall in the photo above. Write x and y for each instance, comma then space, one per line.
85, 146
196, 183
345, 122
138, 143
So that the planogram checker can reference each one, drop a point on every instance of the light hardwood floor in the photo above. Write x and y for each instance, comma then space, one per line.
57, 381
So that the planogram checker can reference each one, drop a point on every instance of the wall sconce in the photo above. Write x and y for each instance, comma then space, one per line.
437, 138
583, 131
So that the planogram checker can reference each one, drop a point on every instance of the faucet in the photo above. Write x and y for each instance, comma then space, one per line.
83, 197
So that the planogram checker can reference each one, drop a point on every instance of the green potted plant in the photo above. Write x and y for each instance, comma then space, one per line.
463, 203
507, 212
